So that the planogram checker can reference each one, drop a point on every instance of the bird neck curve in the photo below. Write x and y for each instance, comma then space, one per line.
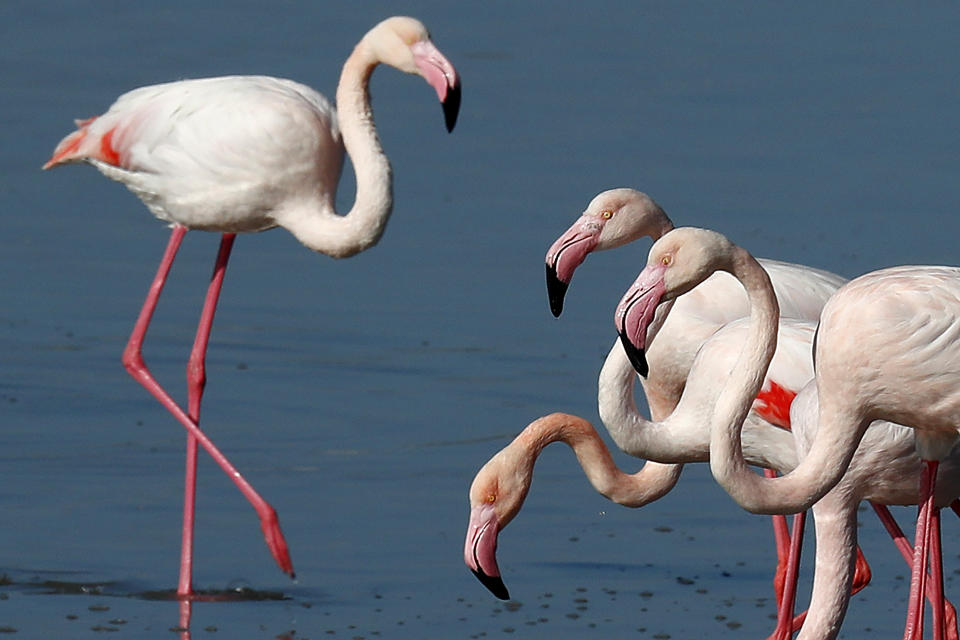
341, 236
630, 430
630, 490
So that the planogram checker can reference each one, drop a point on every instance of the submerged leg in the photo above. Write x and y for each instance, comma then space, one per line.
135, 365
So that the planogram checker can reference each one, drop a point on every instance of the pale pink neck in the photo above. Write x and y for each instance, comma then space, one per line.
631, 490
322, 229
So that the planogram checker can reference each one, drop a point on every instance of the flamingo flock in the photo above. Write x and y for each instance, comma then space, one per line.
842, 391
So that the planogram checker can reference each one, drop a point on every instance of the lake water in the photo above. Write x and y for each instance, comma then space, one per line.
361, 396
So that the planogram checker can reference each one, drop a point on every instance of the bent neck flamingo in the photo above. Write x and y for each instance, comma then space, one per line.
886, 350
249, 153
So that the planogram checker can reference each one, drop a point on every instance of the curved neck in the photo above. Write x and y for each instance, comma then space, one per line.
631, 490
674, 439
629, 429
322, 229
726, 452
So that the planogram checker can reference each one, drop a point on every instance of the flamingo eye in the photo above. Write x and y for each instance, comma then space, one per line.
606, 215
491, 498
666, 260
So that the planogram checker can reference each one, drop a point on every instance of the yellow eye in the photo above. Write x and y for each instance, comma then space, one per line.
491, 498
666, 260
606, 215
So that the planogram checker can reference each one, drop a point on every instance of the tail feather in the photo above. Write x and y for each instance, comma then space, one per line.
81, 146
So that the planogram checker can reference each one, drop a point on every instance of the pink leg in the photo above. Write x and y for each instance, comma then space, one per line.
787, 601
936, 575
914, 626
135, 365
781, 538
906, 550
196, 381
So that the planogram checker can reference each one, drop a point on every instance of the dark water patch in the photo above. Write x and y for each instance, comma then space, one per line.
238, 594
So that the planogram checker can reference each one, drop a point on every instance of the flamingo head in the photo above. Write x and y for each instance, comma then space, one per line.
405, 44
496, 496
613, 218
679, 261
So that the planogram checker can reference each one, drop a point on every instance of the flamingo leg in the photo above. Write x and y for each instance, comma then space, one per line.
786, 624
135, 365
196, 382
936, 575
781, 538
914, 626
906, 550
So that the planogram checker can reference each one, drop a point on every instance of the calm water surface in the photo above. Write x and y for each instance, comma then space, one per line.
361, 396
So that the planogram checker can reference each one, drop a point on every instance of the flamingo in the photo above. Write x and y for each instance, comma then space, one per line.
617, 217
244, 154
499, 490
919, 306
887, 349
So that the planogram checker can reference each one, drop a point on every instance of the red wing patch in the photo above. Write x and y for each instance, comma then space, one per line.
773, 405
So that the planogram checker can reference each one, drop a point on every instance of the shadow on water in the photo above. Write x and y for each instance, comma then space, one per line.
37, 584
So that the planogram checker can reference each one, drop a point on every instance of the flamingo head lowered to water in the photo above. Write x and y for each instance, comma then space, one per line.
677, 263
613, 218
496, 496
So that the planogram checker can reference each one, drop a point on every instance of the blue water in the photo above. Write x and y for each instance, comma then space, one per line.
361, 396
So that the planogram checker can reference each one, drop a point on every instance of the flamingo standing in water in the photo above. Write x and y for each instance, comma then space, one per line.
244, 154
619, 216
915, 308
887, 349
881, 470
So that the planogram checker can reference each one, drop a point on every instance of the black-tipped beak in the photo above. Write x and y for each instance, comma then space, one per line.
451, 106
635, 355
494, 584
556, 290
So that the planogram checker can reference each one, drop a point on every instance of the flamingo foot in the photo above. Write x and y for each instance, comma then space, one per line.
270, 525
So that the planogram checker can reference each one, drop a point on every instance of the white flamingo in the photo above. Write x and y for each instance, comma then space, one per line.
887, 349
687, 256
244, 154
619, 216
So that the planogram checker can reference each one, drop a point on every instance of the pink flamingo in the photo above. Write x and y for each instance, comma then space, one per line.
244, 154
500, 487
874, 306
887, 349
619, 216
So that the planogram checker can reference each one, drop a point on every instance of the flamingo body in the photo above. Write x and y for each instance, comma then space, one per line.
217, 154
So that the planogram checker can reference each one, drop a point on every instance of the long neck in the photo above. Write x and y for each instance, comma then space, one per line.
630, 430
833, 447
341, 236
631, 490
726, 452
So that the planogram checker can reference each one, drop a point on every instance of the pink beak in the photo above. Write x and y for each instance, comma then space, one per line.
480, 549
635, 313
565, 255
441, 75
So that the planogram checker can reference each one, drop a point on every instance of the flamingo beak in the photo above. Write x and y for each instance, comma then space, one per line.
565, 255
480, 549
442, 76
635, 313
